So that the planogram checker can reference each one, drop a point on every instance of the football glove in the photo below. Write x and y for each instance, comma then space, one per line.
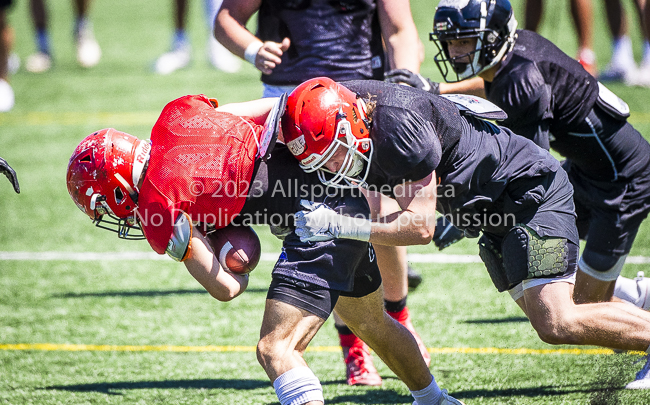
412, 79
318, 222
446, 234
10, 173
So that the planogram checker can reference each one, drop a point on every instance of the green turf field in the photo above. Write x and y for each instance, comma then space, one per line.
79, 331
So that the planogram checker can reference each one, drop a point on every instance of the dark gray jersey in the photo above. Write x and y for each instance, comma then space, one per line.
339, 39
415, 133
551, 99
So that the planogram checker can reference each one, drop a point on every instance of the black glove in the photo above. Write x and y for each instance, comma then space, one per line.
446, 234
412, 79
10, 173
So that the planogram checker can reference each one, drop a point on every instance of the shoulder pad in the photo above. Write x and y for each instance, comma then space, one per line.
272, 128
476, 106
178, 247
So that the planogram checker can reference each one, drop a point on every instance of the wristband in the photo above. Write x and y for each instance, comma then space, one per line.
251, 51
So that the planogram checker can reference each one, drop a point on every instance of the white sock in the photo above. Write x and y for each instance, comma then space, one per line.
622, 52
429, 395
298, 386
633, 291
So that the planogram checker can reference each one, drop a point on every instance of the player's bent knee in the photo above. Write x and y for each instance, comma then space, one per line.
555, 330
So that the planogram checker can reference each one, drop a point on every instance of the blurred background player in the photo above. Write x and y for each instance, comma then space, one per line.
582, 14
622, 67
180, 53
88, 51
342, 40
7, 98
10, 173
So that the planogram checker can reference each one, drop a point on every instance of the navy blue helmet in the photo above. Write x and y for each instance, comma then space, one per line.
491, 22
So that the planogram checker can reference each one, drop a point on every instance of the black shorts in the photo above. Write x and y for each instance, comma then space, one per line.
543, 203
320, 300
610, 213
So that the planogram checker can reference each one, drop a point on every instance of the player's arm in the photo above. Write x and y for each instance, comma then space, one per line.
403, 47
258, 110
230, 30
189, 246
204, 266
474, 86
409, 222
414, 220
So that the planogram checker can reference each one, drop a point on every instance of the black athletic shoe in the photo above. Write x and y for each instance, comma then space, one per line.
414, 279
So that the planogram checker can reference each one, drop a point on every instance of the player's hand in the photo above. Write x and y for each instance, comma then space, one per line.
270, 55
405, 76
446, 234
10, 173
318, 222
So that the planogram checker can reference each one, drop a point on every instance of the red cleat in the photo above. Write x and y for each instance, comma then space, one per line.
358, 364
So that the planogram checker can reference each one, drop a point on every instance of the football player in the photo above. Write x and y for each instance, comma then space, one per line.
486, 180
205, 168
552, 100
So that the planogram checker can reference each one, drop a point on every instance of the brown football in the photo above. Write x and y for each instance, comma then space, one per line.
237, 248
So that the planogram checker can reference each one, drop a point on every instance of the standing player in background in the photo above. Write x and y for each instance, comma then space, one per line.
342, 40
187, 180
622, 67
583, 16
421, 148
88, 51
180, 54
7, 97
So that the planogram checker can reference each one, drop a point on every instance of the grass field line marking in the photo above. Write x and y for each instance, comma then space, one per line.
230, 349
267, 257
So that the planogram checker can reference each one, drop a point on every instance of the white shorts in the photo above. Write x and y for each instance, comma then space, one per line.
517, 291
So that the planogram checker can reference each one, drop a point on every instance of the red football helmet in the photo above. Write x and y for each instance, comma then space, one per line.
102, 179
323, 116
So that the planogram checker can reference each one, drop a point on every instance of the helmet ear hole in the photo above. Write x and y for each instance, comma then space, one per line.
119, 195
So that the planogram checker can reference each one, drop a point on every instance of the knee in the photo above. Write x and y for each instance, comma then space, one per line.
267, 350
556, 330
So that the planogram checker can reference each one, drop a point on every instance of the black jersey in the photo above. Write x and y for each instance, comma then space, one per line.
274, 196
340, 39
415, 133
549, 98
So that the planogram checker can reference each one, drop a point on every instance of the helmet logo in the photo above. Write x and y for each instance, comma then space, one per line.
297, 146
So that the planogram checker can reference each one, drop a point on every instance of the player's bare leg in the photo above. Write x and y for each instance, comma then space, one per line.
394, 344
558, 320
582, 13
286, 331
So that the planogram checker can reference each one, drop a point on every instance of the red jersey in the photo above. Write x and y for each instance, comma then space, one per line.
201, 162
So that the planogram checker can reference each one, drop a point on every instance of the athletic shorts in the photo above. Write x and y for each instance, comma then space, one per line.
317, 299
610, 213
518, 291
552, 218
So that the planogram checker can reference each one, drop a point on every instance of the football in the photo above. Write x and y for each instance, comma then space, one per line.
237, 248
